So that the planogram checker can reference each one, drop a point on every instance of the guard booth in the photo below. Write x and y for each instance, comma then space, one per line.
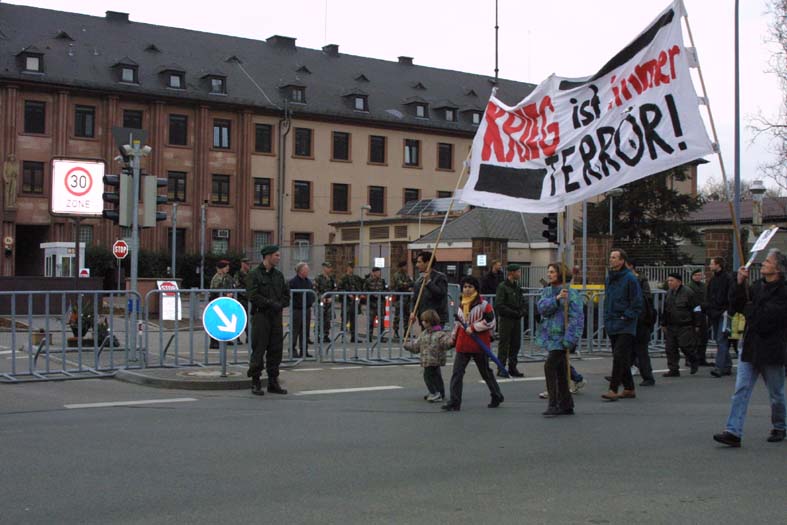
60, 258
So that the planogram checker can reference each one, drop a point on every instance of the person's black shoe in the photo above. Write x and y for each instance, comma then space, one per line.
326, 339
725, 438
214, 345
716, 372
566, 412
275, 388
648, 382
450, 407
728, 372
608, 379
256, 387
308, 354
551, 412
671, 373
496, 400
776, 436
513, 372
501, 373
694, 369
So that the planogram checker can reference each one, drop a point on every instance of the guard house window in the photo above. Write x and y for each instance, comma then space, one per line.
35, 116
85, 121
450, 115
262, 192
260, 239
412, 194
444, 194
86, 234
218, 85
176, 80
376, 149
220, 241
298, 94
176, 186
303, 142
34, 63
302, 195
341, 146
445, 156
412, 152
377, 199
421, 111
361, 103
221, 134
178, 130
476, 118
220, 189
132, 119
263, 138
340, 198
32, 177
128, 74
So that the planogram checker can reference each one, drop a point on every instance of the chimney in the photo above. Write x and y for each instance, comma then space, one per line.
281, 42
331, 50
115, 16
407, 61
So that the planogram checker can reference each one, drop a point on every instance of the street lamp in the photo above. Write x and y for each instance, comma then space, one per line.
611, 194
360, 236
757, 194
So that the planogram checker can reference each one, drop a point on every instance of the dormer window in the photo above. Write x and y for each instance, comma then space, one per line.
421, 111
128, 74
34, 63
175, 80
298, 94
218, 85
450, 115
476, 116
361, 103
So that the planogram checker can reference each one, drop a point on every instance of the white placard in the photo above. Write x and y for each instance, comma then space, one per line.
171, 308
77, 187
379, 262
480, 259
764, 238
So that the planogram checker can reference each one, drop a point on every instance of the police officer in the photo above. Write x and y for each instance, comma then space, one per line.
374, 283
401, 282
221, 280
510, 308
325, 283
681, 324
268, 294
349, 282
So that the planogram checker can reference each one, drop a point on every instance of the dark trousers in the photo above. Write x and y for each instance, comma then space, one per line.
324, 332
676, 339
266, 344
348, 316
639, 355
461, 361
702, 341
557, 383
622, 345
300, 331
510, 341
434, 380
401, 311
373, 313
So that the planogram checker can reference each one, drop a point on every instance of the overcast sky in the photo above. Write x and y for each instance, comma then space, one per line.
569, 37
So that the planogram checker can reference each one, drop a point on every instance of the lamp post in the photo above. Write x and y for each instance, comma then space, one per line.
757, 195
202, 209
737, 257
364, 207
611, 194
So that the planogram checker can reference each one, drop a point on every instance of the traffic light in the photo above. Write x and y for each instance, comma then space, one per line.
151, 199
121, 199
550, 221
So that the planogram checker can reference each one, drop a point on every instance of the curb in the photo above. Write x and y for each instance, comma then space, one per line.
188, 378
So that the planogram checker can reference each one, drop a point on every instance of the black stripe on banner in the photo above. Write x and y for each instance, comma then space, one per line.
519, 183
627, 53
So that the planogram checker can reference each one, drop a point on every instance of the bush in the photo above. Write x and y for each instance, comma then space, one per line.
188, 265
100, 260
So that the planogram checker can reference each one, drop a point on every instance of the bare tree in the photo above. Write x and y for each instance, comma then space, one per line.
713, 190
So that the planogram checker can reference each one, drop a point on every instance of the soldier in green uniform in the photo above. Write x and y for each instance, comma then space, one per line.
221, 280
325, 283
374, 283
349, 283
240, 282
510, 307
401, 282
268, 294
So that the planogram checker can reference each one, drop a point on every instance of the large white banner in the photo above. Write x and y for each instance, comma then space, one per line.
571, 139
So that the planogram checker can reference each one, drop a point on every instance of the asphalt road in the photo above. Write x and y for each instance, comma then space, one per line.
383, 456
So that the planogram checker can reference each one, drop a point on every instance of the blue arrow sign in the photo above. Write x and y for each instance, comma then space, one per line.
224, 319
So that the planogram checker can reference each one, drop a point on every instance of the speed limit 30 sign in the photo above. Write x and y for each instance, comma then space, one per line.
77, 187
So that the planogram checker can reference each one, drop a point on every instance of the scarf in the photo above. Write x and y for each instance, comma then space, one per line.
466, 302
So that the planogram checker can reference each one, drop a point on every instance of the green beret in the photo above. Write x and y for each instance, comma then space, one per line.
512, 267
327, 264
269, 249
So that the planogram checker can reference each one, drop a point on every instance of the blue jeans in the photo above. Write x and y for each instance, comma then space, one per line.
723, 360
744, 384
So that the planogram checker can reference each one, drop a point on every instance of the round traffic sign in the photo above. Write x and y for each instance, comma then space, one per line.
78, 181
120, 249
224, 319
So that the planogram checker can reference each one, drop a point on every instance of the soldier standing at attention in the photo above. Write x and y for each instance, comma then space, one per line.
349, 283
221, 280
268, 294
374, 283
401, 282
325, 283
240, 282
510, 308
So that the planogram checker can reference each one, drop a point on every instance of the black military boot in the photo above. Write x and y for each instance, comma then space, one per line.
514, 372
274, 387
256, 387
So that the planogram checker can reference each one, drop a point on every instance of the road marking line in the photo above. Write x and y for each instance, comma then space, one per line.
305, 369
347, 390
345, 367
517, 379
130, 403
6, 352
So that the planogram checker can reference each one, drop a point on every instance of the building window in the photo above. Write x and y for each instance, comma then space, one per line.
260, 239
220, 190
379, 233
412, 152
262, 192
178, 130
218, 85
341, 146
263, 138
411, 194
421, 111
361, 103
32, 177
340, 198
400, 232
34, 63
85, 121
301, 242
302, 195
176, 81
450, 115
221, 134
128, 74
220, 241
303, 142
35, 116
377, 149
444, 194
132, 118
377, 199
445, 156
298, 94
176, 186
180, 240
86, 234
351, 234
476, 116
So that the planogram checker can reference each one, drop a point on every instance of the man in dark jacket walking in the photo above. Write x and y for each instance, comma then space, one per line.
697, 286
640, 355
622, 308
681, 325
718, 305
435, 295
510, 308
301, 313
764, 346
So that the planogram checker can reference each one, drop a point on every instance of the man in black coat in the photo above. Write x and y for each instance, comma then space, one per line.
492, 280
718, 305
435, 294
301, 314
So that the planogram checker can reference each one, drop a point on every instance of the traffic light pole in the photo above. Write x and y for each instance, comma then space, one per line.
136, 153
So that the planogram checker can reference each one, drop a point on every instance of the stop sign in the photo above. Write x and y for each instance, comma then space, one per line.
120, 249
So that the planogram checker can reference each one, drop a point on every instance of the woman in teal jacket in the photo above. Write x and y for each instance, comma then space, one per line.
558, 338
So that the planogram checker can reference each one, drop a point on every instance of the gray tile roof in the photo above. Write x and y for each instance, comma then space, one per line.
94, 45
492, 224
773, 209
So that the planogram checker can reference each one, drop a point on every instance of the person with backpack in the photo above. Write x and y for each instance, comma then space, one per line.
640, 357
